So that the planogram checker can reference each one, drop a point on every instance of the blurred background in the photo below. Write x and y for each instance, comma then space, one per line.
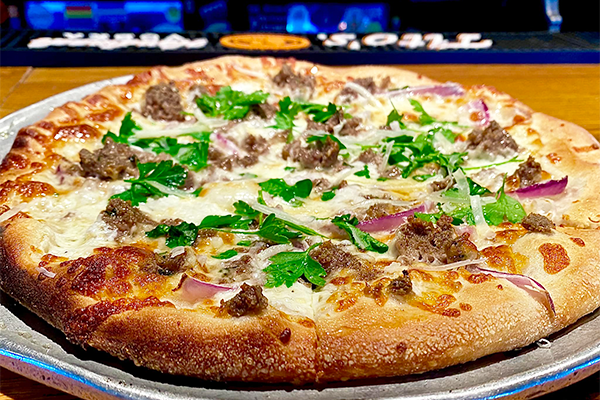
303, 17
97, 32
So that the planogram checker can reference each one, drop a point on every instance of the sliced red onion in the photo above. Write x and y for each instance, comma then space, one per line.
444, 90
226, 143
390, 222
530, 285
193, 290
549, 188
478, 106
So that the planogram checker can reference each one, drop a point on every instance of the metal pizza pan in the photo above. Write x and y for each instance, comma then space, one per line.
31, 347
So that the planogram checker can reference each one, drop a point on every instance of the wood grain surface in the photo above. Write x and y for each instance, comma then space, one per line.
569, 92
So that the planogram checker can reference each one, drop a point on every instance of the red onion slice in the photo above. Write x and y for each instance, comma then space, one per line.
193, 290
226, 143
478, 106
445, 90
390, 222
530, 285
549, 188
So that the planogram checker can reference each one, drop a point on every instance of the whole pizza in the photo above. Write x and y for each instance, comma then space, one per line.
273, 220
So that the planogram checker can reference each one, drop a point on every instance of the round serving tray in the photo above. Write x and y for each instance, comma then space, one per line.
34, 349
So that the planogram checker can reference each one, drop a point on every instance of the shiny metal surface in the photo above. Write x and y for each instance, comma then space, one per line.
32, 348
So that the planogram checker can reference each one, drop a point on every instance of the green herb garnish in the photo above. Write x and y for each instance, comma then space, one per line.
360, 239
226, 255
231, 104
278, 187
288, 266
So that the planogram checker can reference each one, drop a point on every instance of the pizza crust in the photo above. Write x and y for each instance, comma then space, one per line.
366, 340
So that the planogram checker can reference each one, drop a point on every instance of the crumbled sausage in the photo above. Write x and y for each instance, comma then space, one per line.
401, 285
168, 264
163, 102
537, 223
327, 126
255, 144
351, 127
229, 162
367, 83
492, 140
333, 258
381, 210
250, 300
391, 173
287, 78
370, 157
121, 216
262, 111
318, 154
237, 270
440, 185
528, 173
111, 162
418, 240
321, 185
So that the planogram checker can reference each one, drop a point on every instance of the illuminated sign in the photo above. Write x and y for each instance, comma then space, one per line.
267, 42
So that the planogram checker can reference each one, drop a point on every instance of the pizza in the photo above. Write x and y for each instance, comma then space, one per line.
274, 220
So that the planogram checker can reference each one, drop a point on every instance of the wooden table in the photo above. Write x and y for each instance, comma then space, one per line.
569, 92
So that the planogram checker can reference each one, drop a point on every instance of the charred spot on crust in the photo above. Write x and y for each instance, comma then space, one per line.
318, 154
418, 240
528, 173
121, 216
492, 140
250, 300
537, 223
402, 285
112, 162
163, 102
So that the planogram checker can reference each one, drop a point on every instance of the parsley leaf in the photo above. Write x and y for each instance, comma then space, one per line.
364, 172
288, 266
447, 133
226, 254
231, 104
278, 187
245, 243
324, 115
361, 239
126, 131
328, 195
155, 180
183, 234
323, 138
424, 118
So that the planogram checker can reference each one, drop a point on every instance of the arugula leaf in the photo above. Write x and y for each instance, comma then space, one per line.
245, 243
288, 266
289, 169
433, 218
225, 221
328, 195
284, 118
226, 254
447, 133
395, 116
126, 131
323, 138
361, 239
278, 187
155, 180
194, 155
512, 160
245, 210
364, 172
474, 189
183, 234
324, 115
275, 230
505, 206
424, 118
231, 104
